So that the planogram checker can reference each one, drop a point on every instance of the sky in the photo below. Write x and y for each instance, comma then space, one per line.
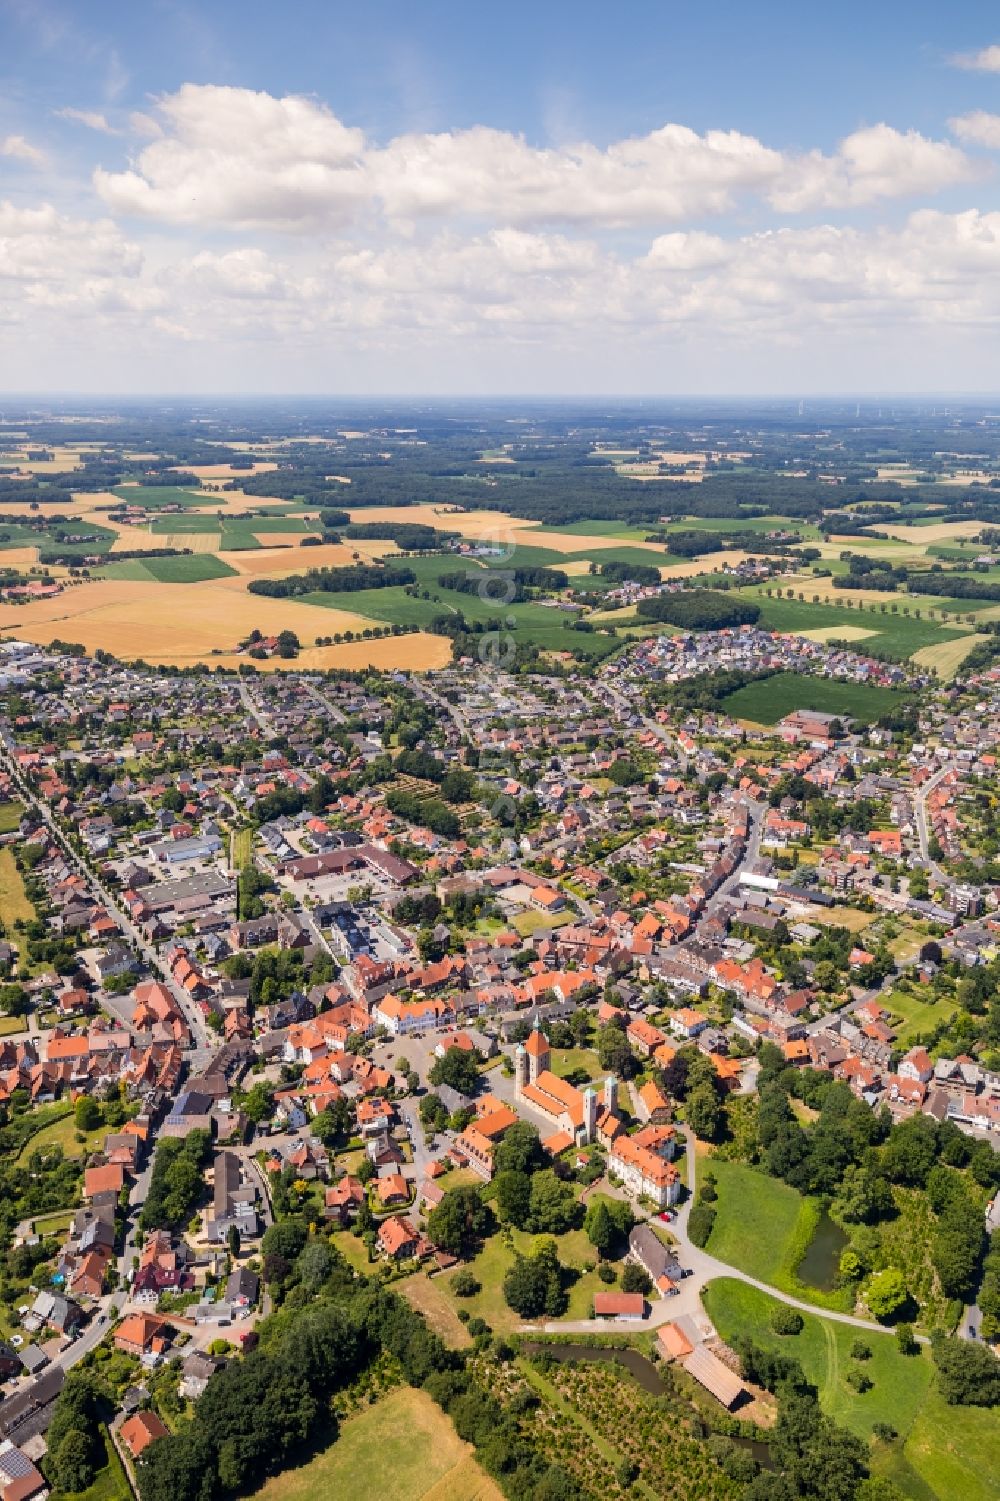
557, 198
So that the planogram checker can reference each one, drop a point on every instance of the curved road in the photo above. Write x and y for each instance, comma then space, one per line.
703, 1269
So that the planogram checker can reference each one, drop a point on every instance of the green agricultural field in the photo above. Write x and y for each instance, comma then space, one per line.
770, 699
240, 535
805, 529
195, 568
406, 1449
894, 635
530, 622
165, 525
391, 606
155, 497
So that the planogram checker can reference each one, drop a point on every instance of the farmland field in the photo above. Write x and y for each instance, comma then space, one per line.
770, 699
896, 635
405, 1447
155, 497
193, 569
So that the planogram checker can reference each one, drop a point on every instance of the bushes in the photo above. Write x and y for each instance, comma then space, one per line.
700, 1223
785, 1320
968, 1373
177, 1181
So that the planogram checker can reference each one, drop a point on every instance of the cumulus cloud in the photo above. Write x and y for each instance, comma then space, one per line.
246, 160
986, 60
40, 246
873, 163
92, 119
22, 150
978, 127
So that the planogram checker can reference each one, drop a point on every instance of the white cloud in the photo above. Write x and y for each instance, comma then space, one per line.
979, 127
22, 150
40, 246
241, 158
873, 163
247, 160
987, 60
92, 119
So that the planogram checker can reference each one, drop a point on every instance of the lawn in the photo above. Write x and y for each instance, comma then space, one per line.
10, 1025
10, 816
918, 1015
568, 1061
240, 848
770, 699
529, 922
899, 1382
491, 1265
13, 898
762, 1226
955, 1450
63, 1133
424, 1294
404, 1447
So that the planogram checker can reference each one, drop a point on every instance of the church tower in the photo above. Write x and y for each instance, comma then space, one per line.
537, 1050
611, 1095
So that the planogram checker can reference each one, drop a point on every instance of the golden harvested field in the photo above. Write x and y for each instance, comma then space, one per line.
404, 1447
152, 620
711, 563
808, 585
282, 539
577, 568
279, 561
839, 633
624, 612
18, 557
941, 531
205, 623
946, 656
418, 652
192, 541
224, 471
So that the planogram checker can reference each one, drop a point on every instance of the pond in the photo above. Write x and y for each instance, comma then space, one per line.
641, 1369
821, 1262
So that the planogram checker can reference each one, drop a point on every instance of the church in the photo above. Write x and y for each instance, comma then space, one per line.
573, 1112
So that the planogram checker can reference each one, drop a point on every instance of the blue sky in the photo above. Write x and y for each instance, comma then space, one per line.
446, 197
